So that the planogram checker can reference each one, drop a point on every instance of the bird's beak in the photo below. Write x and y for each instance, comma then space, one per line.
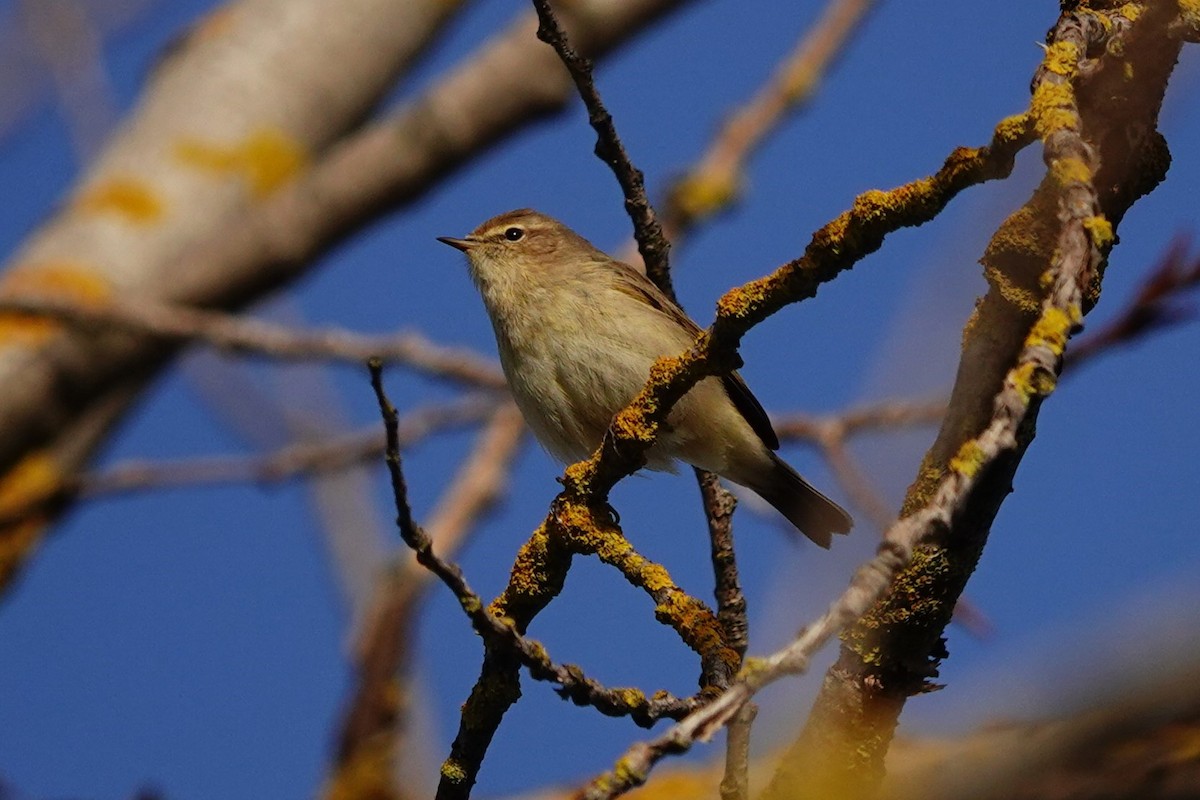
459, 244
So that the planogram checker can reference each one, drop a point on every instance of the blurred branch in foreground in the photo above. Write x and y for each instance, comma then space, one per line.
281, 174
713, 183
246, 335
1138, 738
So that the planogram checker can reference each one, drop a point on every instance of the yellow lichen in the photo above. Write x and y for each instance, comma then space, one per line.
871, 204
471, 604
1131, 11
701, 195
628, 774
1019, 297
1012, 129
1052, 330
130, 198
1071, 170
1104, 20
1022, 379
1061, 58
453, 771
1052, 108
969, 459
752, 667
655, 578
1100, 230
1189, 12
266, 159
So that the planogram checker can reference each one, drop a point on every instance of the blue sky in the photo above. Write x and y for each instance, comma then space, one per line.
194, 640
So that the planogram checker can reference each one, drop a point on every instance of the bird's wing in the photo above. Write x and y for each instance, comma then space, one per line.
641, 288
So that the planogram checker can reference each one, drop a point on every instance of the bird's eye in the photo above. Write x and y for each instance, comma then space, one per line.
513, 234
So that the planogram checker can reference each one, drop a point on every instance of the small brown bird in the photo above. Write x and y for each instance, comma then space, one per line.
577, 333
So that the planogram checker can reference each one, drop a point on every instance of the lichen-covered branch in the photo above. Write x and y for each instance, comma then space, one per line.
502, 638
1027, 382
835, 247
1088, 104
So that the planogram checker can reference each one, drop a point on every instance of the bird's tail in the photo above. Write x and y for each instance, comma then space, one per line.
813, 514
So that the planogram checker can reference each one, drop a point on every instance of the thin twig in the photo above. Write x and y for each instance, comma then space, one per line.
241, 334
731, 601
375, 721
654, 248
652, 244
735, 783
886, 415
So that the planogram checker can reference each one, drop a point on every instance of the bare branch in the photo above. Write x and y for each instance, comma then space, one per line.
652, 244
289, 462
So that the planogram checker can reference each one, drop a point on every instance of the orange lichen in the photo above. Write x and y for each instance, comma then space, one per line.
60, 281
737, 303
266, 159
29, 483
130, 198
